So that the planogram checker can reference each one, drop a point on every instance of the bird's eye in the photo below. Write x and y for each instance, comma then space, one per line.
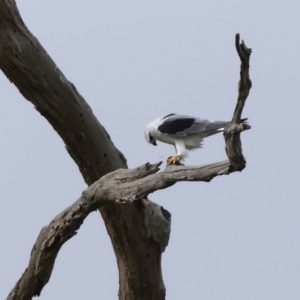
150, 138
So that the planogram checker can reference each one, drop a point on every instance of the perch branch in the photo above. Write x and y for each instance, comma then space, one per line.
236, 126
121, 186
125, 186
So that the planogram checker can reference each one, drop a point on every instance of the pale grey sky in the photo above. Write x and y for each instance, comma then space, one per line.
133, 61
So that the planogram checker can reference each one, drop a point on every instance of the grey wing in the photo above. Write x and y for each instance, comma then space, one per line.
205, 127
181, 125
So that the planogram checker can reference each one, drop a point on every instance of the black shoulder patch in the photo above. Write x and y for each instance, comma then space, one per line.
177, 125
169, 116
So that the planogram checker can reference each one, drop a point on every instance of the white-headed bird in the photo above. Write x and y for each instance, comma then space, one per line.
184, 132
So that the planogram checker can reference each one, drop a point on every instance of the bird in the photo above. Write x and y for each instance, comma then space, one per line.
182, 131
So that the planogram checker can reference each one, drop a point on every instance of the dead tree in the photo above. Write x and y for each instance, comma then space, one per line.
120, 194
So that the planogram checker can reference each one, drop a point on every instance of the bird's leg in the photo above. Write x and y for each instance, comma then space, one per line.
174, 160
181, 151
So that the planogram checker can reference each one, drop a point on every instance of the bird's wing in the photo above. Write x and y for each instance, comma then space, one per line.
181, 125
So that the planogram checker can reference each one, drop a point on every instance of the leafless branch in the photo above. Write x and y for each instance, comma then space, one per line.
122, 186
20, 55
233, 130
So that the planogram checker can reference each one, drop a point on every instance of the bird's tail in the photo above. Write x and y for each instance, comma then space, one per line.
216, 126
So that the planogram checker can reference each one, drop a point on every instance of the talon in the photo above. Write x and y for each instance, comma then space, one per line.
174, 160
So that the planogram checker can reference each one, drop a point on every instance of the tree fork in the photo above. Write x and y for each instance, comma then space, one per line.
26, 63
140, 229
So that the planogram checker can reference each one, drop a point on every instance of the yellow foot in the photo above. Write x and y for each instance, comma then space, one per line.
174, 160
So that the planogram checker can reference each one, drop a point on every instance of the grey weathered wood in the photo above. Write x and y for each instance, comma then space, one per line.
233, 130
29, 67
123, 187
27, 64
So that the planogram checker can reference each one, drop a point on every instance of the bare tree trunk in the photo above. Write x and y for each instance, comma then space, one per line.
26, 63
139, 230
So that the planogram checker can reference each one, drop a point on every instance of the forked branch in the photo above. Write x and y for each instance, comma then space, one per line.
128, 185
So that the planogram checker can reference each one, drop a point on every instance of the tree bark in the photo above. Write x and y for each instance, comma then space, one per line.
140, 229
26, 63
233, 130
124, 187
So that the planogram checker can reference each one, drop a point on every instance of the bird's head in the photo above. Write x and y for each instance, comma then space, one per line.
149, 136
